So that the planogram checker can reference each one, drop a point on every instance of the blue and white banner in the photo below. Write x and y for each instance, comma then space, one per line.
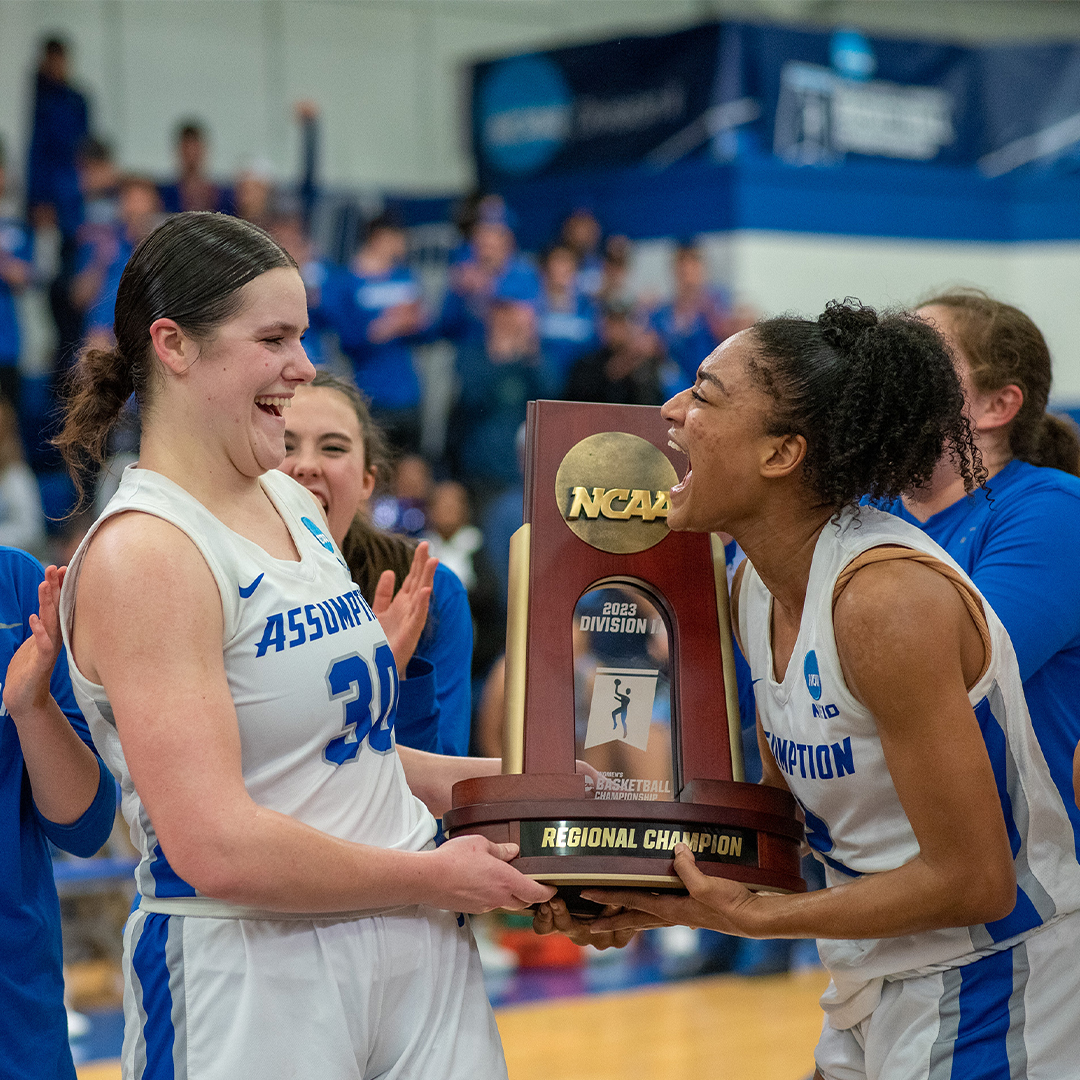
589, 106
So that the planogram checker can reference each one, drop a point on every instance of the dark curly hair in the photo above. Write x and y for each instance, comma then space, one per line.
876, 397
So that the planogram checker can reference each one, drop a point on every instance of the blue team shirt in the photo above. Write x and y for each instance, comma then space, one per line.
16, 242
351, 302
566, 336
1019, 545
686, 344
102, 313
434, 710
33, 1021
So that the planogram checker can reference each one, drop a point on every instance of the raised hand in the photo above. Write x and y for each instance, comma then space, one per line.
402, 617
26, 685
474, 875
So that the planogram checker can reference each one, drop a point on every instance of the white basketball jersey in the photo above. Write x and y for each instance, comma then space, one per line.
310, 672
826, 744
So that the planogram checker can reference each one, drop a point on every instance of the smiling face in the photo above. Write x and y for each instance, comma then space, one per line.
242, 379
719, 423
324, 451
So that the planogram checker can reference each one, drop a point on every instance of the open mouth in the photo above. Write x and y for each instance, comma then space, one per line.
275, 406
684, 483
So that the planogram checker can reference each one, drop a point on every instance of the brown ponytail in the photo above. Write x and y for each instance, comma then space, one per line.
1057, 444
100, 384
369, 551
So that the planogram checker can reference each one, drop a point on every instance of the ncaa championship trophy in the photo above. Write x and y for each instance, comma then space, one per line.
619, 652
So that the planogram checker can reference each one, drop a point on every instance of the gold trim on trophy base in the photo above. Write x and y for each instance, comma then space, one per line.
517, 638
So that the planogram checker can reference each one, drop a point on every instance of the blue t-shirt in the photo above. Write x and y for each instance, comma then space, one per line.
351, 302
16, 242
61, 122
102, 312
687, 344
33, 1021
566, 336
1020, 547
447, 641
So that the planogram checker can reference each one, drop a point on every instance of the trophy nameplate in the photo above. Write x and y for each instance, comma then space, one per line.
619, 652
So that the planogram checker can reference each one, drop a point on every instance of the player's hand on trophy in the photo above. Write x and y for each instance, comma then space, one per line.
714, 903
553, 917
402, 616
474, 875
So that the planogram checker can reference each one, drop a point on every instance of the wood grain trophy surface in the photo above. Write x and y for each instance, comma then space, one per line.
619, 652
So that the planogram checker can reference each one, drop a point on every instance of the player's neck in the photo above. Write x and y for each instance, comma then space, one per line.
946, 486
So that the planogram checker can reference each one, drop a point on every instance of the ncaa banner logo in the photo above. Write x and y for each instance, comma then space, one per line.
526, 113
812, 675
622, 704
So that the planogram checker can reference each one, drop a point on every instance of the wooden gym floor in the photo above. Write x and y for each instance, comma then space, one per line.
724, 1027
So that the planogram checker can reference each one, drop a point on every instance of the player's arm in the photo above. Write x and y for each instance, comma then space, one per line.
908, 649
432, 776
157, 652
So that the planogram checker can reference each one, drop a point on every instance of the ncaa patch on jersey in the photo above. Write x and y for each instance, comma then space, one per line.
812, 675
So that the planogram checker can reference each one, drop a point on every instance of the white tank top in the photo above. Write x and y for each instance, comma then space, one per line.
310, 672
826, 744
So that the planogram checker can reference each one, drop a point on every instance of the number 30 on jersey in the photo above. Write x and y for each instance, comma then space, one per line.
352, 680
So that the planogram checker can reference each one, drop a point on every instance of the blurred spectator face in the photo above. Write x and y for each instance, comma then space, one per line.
617, 331
448, 510
560, 269
140, 206
689, 271
97, 174
324, 451
191, 153
582, 232
412, 480
54, 62
289, 233
252, 193
492, 244
511, 329
389, 245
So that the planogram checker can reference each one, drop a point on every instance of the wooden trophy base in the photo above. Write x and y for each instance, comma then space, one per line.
745, 832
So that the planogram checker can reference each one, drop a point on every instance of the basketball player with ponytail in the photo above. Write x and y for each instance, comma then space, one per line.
890, 705
1018, 537
294, 917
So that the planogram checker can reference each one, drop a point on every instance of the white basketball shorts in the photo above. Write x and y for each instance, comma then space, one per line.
1012, 1015
395, 996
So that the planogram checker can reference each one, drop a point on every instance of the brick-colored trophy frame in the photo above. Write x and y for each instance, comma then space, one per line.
568, 838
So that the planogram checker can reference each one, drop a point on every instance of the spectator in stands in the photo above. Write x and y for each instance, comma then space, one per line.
193, 190
16, 271
581, 233
567, 317
22, 521
253, 193
96, 284
404, 508
626, 369
698, 318
497, 377
61, 120
377, 311
288, 230
99, 182
615, 273
489, 263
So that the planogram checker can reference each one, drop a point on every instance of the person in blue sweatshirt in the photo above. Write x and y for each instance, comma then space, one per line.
53, 787
1017, 537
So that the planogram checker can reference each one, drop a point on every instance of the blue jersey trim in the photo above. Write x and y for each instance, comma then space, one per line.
152, 970
167, 882
981, 1050
836, 865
